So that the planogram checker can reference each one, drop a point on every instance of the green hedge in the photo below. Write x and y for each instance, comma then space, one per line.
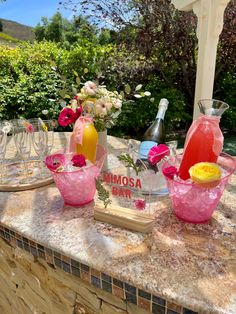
32, 76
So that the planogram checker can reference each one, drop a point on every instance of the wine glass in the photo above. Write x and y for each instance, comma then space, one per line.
5, 128
22, 133
172, 147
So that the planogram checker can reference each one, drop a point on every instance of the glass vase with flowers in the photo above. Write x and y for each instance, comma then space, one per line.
91, 112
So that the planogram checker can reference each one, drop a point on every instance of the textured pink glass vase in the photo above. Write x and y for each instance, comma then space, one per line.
78, 187
191, 202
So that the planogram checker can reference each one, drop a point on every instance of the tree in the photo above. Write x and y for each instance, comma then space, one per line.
1, 26
50, 29
59, 29
163, 35
157, 30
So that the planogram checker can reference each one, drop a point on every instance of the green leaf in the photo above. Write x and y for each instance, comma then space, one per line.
103, 194
98, 73
122, 94
129, 162
86, 70
62, 93
78, 80
138, 87
63, 77
75, 73
137, 96
74, 91
127, 89
146, 93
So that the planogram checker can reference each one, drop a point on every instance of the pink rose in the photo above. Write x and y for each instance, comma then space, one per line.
53, 162
156, 153
140, 204
170, 171
78, 160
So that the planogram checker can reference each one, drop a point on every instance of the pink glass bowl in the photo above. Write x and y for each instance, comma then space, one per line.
191, 202
78, 187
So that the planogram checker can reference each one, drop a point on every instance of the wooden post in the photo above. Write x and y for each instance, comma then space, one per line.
210, 15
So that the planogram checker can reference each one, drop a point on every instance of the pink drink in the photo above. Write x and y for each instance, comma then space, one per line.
204, 140
191, 202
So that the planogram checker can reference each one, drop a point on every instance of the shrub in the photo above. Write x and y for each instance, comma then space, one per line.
28, 79
32, 77
225, 90
137, 115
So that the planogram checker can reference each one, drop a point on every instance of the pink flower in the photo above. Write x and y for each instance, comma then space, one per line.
156, 153
28, 126
67, 116
170, 171
140, 204
53, 162
78, 160
90, 88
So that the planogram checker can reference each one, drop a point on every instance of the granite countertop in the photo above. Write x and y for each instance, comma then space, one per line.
192, 265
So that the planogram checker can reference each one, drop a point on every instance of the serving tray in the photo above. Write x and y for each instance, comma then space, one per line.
15, 179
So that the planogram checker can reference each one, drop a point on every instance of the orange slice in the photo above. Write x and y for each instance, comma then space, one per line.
205, 174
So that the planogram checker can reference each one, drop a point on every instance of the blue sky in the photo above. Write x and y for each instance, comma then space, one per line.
29, 12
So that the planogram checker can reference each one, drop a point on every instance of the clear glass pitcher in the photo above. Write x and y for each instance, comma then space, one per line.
204, 140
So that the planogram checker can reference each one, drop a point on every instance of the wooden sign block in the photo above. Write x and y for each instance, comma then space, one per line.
125, 217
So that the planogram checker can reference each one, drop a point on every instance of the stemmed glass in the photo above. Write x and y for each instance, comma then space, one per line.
40, 141
49, 126
22, 133
5, 128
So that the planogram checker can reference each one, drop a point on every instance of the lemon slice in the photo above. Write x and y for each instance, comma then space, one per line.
205, 174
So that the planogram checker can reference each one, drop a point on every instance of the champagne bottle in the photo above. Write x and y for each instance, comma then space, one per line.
155, 134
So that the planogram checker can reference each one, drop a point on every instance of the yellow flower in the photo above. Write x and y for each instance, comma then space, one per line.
205, 174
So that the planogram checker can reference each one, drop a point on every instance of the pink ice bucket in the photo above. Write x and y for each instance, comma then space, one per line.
191, 202
78, 187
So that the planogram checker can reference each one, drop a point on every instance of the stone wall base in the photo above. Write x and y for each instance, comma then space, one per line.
31, 285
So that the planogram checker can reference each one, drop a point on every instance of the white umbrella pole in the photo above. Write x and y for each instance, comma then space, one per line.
210, 14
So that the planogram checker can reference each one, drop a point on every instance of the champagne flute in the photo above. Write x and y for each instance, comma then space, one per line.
48, 126
22, 133
40, 141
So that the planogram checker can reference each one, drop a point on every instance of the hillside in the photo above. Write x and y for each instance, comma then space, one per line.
17, 30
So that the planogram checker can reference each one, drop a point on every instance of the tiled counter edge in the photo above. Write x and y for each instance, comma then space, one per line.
143, 299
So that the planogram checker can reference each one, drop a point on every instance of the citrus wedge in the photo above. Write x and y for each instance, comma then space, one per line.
205, 174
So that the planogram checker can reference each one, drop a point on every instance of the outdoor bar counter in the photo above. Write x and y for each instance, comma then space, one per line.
58, 259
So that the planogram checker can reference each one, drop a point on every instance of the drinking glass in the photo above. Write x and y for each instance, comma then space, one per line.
172, 147
46, 126
22, 137
40, 142
49, 126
